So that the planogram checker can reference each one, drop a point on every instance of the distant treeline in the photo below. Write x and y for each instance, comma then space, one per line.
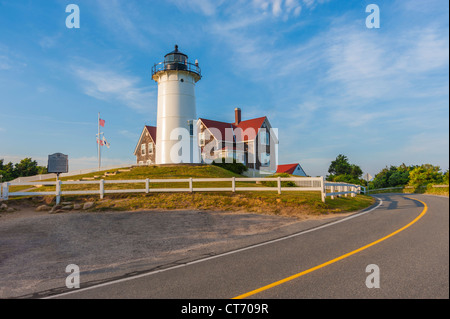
414, 175
26, 167
341, 170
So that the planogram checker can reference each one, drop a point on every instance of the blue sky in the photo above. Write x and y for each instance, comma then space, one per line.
327, 82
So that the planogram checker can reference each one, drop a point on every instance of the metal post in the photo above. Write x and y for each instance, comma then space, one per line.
58, 191
98, 142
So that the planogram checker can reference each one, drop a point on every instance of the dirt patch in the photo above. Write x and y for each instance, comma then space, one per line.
36, 247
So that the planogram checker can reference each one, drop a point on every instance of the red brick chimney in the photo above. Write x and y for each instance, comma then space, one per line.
237, 116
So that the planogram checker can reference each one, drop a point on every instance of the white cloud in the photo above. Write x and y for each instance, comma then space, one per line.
206, 7
110, 86
277, 8
10, 60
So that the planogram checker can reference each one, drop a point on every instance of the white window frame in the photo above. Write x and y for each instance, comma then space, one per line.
202, 139
143, 149
265, 156
150, 148
265, 137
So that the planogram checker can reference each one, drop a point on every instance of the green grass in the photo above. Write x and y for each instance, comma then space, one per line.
443, 191
292, 203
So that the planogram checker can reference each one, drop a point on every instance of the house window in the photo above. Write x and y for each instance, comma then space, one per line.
202, 141
143, 149
150, 148
265, 137
265, 159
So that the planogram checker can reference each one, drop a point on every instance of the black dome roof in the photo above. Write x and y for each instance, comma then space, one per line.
175, 52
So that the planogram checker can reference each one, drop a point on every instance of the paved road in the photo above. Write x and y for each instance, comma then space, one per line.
413, 262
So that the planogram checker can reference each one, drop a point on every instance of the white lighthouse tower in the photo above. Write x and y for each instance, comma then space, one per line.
176, 138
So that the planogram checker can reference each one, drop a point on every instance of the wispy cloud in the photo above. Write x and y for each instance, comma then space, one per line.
205, 7
279, 8
10, 60
107, 85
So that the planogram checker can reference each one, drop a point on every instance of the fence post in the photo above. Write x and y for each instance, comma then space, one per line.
102, 188
279, 184
324, 189
346, 189
191, 188
332, 190
58, 192
233, 184
147, 186
5, 193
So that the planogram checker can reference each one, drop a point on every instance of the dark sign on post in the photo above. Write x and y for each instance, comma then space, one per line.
58, 163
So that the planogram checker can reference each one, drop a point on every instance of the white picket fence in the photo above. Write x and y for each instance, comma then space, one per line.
327, 189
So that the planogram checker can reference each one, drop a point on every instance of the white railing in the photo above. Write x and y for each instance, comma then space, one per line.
319, 184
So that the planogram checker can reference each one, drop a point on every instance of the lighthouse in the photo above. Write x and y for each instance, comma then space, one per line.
176, 136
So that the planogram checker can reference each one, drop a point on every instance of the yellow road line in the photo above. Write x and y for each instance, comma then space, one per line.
282, 281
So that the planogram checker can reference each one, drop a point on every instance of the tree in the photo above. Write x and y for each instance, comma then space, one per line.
392, 177
425, 174
342, 171
26, 167
445, 178
340, 166
7, 171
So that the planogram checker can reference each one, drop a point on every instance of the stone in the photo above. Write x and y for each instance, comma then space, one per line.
3, 206
77, 206
67, 207
43, 208
88, 205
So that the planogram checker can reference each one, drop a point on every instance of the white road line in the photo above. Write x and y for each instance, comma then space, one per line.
219, 255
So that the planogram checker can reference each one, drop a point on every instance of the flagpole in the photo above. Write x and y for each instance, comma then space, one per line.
98, 142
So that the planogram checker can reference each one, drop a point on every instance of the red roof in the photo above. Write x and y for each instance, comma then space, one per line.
249, 129
152, 131
287, 168
222, 127
244, 131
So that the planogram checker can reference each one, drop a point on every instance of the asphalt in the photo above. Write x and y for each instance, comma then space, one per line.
413, 263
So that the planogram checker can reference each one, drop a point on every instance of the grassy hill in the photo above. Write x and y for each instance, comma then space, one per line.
296, 204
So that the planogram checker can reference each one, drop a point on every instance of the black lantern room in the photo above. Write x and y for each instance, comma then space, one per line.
177, 61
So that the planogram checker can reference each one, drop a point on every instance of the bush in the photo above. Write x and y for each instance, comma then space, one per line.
283, 184
425, 175
234, 167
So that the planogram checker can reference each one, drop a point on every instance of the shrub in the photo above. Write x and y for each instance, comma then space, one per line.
283, 184
234, 167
